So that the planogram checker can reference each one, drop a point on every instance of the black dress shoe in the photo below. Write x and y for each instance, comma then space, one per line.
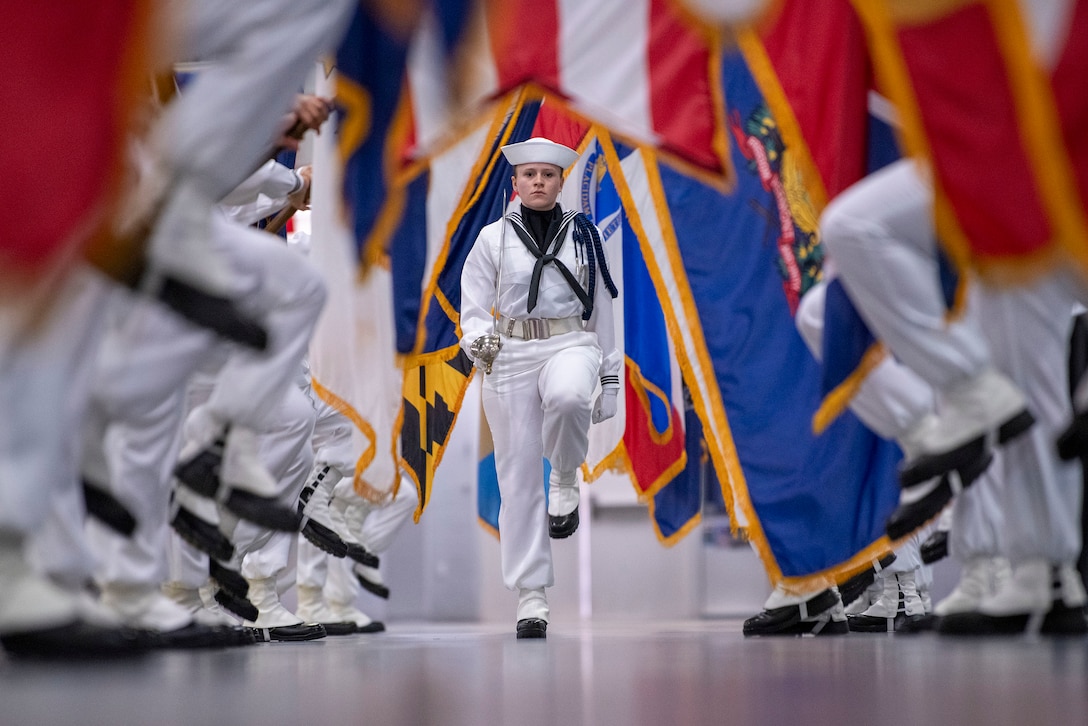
216, 313
290, 633
201, 472
345, 627
563, 526
532, 628
265, 511
203, 535
787, 620
363, 556
236, 604
106, 508
77, 639
935, 548
374, 588
374, 626
930, 466
910, 516
195, 635
851, 589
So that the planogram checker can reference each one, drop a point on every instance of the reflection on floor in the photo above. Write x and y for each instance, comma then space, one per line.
591, 674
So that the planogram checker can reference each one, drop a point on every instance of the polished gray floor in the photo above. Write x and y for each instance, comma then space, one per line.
633, 673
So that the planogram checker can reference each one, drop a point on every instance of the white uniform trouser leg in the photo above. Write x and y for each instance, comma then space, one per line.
892, 398
273, 560
284, 449
141, 453
538, 401
44, 388
1029, 329
881, 235
977, 519
313, 565
288, 293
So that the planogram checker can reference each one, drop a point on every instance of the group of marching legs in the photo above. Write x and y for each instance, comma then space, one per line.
175, 408
977, 403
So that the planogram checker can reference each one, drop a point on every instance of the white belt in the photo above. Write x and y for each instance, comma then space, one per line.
538, 328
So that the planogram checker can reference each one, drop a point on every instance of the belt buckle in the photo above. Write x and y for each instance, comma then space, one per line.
537, 329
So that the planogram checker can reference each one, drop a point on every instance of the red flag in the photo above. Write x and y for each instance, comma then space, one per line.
73, 73
1005, 136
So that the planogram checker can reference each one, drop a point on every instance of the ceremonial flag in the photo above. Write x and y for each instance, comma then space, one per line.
1004, 133
437, 375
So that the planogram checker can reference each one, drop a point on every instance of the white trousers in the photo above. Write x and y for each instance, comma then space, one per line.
538, 401
881, 235
46, 364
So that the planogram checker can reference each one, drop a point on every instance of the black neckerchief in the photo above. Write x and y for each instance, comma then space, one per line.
545, 252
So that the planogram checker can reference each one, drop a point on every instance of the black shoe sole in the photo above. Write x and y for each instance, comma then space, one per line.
201, 473
108, 510
563, 526
532, 628
783, 620
324, 539
205, 536
935, 548
228, 579
373, 588
77, 640
907, 518
362, 555
924, 468
268, 513
240, 606
290, 633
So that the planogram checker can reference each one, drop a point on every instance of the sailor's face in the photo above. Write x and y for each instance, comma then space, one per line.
538, 185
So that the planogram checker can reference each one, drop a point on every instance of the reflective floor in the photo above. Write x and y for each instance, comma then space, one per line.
635, 673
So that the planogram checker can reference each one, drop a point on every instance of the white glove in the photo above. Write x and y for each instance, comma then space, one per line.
605, 406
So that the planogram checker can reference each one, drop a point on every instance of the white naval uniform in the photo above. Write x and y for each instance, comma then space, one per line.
539, 395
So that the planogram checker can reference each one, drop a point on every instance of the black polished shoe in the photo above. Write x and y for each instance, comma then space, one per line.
374, 588
290, 633
935, 548
265, 511
911, 515
106, 508
195, 635
1058, 621
201, 472
374, 626
930, 466
787, 620
77, 639
363, 556
851, 589
532, 628
203, 535
563, 526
